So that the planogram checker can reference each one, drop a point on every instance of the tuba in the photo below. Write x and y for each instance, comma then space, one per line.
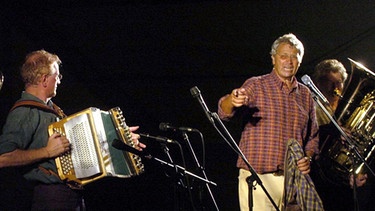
356, 115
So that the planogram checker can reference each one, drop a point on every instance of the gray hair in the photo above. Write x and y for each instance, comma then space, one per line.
293, 41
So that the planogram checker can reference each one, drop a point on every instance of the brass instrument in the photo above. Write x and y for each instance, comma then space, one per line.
91, 133
356, 114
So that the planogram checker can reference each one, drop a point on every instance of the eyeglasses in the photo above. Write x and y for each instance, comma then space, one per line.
286, 56
60, 76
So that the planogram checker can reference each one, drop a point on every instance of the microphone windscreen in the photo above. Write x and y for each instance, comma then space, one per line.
305, 79
195, 91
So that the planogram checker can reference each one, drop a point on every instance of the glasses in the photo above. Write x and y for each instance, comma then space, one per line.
286, 56
60, 76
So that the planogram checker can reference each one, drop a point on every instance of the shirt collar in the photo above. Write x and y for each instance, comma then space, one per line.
281, 83
28, 96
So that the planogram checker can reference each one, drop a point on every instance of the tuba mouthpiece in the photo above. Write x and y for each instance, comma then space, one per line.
337, 92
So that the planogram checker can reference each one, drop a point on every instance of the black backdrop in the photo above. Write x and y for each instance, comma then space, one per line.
144, 56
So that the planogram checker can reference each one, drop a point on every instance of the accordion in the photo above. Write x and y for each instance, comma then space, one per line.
91, 133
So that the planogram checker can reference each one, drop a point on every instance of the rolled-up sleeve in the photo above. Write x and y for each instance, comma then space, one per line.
221, 113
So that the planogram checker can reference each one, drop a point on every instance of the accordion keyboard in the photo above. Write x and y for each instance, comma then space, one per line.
125, 134
66, 158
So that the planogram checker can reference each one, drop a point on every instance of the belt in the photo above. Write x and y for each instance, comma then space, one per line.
279, 172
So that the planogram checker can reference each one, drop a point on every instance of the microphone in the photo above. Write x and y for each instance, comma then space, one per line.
159, 139
196, 93
308, 82
118, 144
166, 126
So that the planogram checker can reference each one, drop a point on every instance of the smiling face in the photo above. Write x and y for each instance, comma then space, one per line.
285, 61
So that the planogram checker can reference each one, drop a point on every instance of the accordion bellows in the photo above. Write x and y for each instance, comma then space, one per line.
91, 133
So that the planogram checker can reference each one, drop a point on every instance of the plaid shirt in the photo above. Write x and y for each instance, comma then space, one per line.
297, 185
278, 114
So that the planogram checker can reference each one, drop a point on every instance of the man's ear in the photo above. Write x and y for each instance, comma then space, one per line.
44, 80
273, 59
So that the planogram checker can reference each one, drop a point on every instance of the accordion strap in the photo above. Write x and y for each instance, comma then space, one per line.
57, 111
71, 184
31, 103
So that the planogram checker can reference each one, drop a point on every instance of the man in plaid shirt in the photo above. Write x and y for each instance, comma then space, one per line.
279, 109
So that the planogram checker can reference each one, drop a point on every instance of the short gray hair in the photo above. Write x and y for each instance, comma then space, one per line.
293, 41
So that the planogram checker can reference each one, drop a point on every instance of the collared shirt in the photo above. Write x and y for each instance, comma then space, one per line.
27, 128
276, 114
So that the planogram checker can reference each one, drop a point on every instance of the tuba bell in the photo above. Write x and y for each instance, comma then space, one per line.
356, 114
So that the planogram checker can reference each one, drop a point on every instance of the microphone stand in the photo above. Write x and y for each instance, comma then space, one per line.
186, 138
180, 181
352, 148
212, 116
183, 171
124, 147
254, 175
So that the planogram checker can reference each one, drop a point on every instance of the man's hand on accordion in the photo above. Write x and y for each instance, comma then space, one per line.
57, 145
135, 137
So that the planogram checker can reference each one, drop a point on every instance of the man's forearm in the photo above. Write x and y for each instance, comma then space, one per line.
226, 105
22, 157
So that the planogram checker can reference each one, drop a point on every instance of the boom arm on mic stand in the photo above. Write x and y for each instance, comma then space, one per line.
212, 116
124, 147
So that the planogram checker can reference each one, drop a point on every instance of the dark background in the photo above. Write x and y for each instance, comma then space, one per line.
145, 56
